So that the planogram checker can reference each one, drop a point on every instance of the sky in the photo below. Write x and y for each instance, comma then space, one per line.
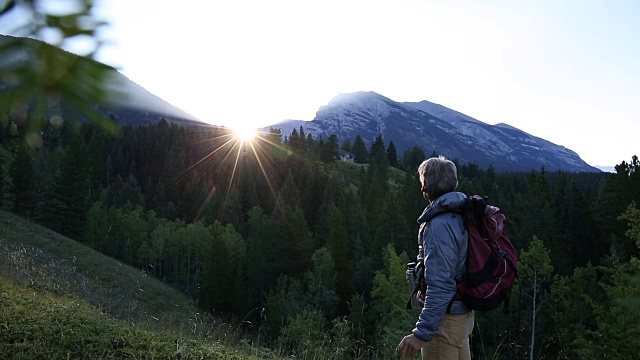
566, 71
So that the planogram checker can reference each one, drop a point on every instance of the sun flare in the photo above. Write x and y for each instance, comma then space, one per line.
245, 133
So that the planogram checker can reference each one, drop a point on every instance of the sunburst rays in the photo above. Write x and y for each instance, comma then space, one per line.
230, 149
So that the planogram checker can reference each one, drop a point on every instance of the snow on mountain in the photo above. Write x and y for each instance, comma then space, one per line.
434, 127
440, 111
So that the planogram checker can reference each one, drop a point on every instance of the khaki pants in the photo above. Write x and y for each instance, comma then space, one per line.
452, 342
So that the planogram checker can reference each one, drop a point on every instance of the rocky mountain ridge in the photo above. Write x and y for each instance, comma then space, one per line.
434, 127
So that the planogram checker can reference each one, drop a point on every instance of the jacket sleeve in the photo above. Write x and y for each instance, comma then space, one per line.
441, 257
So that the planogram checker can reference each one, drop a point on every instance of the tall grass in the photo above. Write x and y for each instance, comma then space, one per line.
60, 299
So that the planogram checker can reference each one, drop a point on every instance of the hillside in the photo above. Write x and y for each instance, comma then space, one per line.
79, 303
105, 91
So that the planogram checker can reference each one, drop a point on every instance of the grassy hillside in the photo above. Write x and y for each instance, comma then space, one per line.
60, 299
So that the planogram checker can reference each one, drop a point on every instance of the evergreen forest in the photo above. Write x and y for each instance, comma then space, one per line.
309, 252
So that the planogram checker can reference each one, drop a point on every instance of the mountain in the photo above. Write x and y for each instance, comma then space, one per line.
430, 126
76, 80
434, 127
138, 105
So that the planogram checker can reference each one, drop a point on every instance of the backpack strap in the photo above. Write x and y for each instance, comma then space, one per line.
507, 294
512, 266
415, 291
418, 282
510, 263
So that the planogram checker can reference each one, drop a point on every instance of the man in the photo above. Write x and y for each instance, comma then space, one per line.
444, 326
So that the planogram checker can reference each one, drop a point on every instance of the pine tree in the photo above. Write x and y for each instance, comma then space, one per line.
346, 145
339, 248
121, 192
377, 148
274, 136
632, 217
2, 181
4, 127
359, 150
617, 315
572, 312
389, 298
313, 188
321, 283
324, 210
392, 155
237, 248
289, 195
302, 134
542, 225
310, 144
581, 231
68, 207
412, 158
295, 142
231, 211
294, 245
22, 175
216, 289
614, 197
392, 226
47, 164
330, 151
377, 186
261, 274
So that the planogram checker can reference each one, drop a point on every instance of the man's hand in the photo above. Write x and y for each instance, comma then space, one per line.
410, 345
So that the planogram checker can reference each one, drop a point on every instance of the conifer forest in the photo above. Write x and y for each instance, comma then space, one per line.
306, 250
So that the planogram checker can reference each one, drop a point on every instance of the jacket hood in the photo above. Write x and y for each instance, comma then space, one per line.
445, 203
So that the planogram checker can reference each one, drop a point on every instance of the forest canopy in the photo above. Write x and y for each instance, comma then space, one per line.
281, 224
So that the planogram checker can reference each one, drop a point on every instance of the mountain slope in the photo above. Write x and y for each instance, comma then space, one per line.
434, 127
69, 84
82, 304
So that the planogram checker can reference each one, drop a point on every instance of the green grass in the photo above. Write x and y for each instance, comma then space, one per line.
38, 326
60, 299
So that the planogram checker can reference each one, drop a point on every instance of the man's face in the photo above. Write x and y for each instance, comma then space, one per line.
423, 189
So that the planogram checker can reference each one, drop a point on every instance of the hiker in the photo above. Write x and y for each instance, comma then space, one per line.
444, 326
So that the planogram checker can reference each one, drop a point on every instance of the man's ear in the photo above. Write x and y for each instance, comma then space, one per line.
424, 193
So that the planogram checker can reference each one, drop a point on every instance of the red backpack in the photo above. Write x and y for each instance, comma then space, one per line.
491, 259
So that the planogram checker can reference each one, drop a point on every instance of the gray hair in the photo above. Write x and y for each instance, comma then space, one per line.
438, 176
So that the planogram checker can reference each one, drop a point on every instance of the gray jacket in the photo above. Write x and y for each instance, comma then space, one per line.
443, 244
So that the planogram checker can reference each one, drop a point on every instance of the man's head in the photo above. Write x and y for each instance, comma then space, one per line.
438, 176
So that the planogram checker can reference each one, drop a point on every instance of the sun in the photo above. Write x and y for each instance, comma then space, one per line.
245, 133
